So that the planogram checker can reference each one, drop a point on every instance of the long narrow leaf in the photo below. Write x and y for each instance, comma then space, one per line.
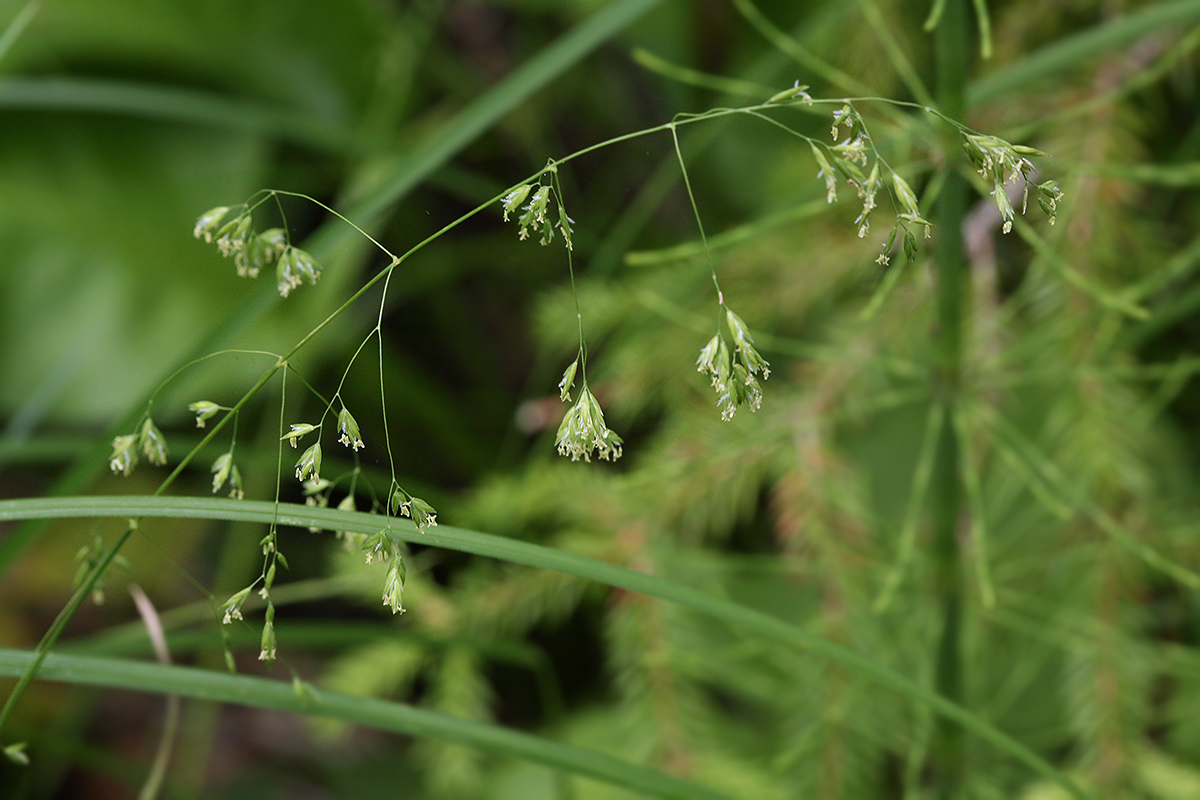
517, 552
244, 690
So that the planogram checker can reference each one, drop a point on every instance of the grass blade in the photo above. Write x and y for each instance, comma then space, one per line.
517, 552
395, 717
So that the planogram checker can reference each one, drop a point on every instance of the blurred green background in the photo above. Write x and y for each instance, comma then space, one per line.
122, 121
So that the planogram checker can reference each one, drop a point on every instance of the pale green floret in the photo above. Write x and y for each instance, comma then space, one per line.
744, 344
399, 502
905, 194
1002, 163
405, 505
568, 381
203, 410
309, 464
298, 430
867, 193
1004, 206
564, 225
16, 754
537, 205
236, 489
267, 653
348, 429
421, 513
151, 441
534, 215
221, 470
393, 585
225, 471
908, 201
268, 635
1048, 196
378, 546
294, 267
708, 357
233, 606
231, 238
843, 116
583, 430
910, 245
259, 252
734, 374
797, 91
853, 150
208, 223
124, 458
512, 201
714, 359
826, 173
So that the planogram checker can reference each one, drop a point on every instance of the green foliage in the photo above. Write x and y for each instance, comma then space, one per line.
950, 554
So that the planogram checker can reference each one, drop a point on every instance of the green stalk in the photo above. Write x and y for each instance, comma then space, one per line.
953, 35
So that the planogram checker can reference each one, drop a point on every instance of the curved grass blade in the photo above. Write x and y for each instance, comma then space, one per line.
518, 552
245, 690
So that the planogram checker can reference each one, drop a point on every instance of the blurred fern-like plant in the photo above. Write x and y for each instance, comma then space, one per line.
950, 554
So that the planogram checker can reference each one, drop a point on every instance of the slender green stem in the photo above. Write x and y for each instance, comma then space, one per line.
687, 185
558, 196
947, 750
60, 624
